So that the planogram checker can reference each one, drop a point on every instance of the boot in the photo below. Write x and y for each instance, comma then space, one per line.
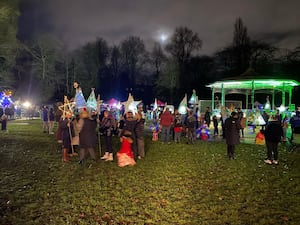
105, 156
110, 157
65, 155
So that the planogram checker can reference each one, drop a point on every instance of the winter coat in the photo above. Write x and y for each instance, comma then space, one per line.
295, 121
51, 115
108, 125
66, 132
232, 131
45, 115
191, 122
139, 128
166, 119
87, 133
273, 131
130, 125
207, 117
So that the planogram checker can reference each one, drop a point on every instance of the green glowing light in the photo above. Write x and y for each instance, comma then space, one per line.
255, 83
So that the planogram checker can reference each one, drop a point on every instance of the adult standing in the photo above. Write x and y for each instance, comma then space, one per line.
107, 126
273, 134
223, 118
51, 120
190, 123
295, 124
232, 133
139, 132
45, 117
166, 120
207, 117
87, 135
130, 125
242, 120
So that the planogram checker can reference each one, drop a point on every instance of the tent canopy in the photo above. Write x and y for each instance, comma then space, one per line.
159, 103
112, 101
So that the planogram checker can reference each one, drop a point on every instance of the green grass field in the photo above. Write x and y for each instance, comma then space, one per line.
174, 184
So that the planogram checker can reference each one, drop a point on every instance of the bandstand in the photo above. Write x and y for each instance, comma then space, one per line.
248, 84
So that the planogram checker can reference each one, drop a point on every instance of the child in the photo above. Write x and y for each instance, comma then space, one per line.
125, 155
177, 130
260, 138
155, 132
215, 121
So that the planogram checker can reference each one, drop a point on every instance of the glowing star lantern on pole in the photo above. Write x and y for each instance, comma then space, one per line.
92, 102
67, 107
182, 109
79, 98
131, 105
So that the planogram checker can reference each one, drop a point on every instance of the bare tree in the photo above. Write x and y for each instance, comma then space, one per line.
8, 42
158, 58
184, 43
133, 51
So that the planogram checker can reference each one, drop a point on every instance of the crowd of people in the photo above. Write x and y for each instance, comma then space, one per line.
81, 132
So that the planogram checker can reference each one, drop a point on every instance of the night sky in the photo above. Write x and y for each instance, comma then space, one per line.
76, 22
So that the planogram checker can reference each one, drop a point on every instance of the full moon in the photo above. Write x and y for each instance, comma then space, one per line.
163, 37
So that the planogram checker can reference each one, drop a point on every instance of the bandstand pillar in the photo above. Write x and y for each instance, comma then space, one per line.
283, 95
252, 95
223, 96
290, 95
212, 98
273, 99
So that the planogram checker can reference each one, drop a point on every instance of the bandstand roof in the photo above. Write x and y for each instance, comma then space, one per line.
249, 80
258, 84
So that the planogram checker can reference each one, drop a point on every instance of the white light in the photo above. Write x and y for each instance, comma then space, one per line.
182, 110
163, 37
26, 104
281, 108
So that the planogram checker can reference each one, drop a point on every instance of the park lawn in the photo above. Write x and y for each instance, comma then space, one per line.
174, 184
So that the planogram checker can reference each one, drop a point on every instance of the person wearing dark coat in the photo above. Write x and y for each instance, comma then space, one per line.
139, 133
107, 126
273, 134
191, 127
67, 132
87, 135
207, 116
130, 125
295, 124
232, 133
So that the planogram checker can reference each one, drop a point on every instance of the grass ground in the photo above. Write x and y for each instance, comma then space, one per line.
174, 184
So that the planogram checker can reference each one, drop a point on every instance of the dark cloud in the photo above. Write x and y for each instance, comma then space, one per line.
79, 21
